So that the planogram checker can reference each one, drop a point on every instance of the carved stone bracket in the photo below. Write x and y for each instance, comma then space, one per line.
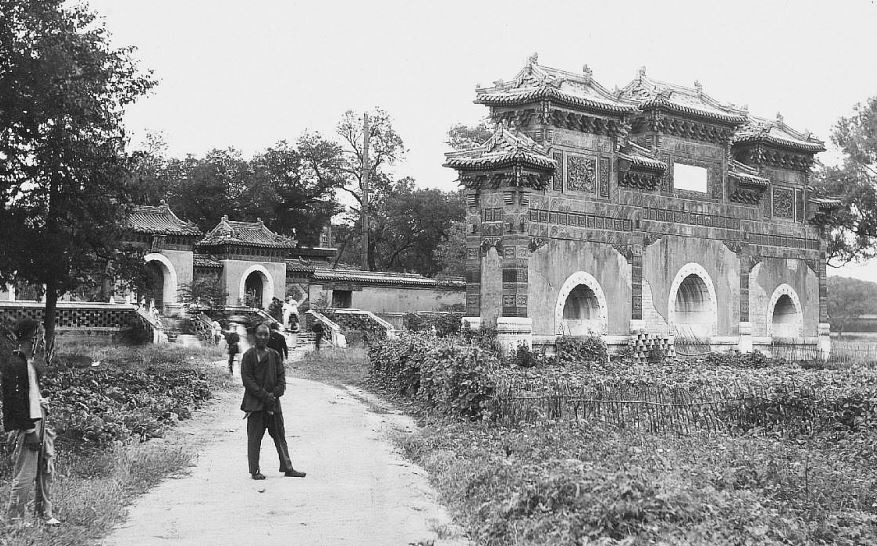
488, 242
734, 246
537, 242
640, 180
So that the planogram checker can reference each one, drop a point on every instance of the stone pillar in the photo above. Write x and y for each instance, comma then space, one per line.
745, 343
823, 342
512, 332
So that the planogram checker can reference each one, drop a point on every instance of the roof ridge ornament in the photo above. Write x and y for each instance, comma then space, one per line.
699, 87
780, 121
642, 72
589, 74
534, 58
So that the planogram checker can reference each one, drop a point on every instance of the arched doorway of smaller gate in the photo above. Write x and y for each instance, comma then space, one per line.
155, 284
161, 281
256, 288
787, 319
692, 305
581, 307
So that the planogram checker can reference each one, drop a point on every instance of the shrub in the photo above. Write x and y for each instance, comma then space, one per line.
442, 374
571, 350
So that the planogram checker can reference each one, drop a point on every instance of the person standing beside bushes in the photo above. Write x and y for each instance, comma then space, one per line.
24, 413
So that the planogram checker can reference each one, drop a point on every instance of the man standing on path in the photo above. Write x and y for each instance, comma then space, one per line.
231, 340
264, 381
24, 415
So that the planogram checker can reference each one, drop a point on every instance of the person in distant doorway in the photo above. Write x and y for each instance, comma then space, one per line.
277, 341
232, 340
264, 381
24, 416
290, 309
319, 330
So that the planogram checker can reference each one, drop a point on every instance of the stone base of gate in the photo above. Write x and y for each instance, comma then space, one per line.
511, 332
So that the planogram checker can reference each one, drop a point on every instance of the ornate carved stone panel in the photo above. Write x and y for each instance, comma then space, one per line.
799, 205
784, 203
582, 174
604, 177
557, 183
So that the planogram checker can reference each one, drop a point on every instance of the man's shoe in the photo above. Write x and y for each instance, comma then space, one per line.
295, 474
52, 522
258, 476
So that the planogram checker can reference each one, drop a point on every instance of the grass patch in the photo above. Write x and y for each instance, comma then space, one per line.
336, 367
94, 483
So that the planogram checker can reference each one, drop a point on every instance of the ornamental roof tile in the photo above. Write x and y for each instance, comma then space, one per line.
535, 82
641, 157
385, 278
245, 234
692, 101
776, 132
159, 220
747, 174
503, 149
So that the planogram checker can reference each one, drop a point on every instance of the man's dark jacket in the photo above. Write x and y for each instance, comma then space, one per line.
15, 388
262, 378
278, 342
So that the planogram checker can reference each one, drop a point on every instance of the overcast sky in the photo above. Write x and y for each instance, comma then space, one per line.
247, 74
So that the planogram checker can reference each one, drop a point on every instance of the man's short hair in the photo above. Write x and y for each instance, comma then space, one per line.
274, 326
26, 328
265, 326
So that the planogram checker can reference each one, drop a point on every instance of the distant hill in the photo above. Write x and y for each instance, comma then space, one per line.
848, 300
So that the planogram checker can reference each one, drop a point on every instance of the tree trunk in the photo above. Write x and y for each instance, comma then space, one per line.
49, 318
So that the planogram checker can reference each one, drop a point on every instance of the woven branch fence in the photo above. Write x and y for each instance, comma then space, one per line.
661, 410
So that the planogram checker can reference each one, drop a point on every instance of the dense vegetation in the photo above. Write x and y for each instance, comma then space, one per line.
105, 415
580, 448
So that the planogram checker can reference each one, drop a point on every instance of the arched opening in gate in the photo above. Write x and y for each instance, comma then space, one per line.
155, 284
581, 312
161, 281
786, 318
692, 302
254, 290
581, 307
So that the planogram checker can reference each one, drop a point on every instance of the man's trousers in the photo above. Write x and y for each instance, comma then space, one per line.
29, 469
257, 423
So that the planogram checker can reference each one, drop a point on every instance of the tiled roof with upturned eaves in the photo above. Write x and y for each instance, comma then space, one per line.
159, 220
777, 133
503, 149
746, 174
641, 157
650, 93
536, 82
255, 234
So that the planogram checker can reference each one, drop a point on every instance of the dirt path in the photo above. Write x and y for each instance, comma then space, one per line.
359, 490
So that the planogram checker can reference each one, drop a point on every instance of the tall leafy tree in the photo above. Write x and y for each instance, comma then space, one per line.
294, 187
851, 229
408, 226
64, 173
385, 149
206, 188
463, 137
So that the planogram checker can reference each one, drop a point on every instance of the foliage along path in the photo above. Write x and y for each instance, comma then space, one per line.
358, 490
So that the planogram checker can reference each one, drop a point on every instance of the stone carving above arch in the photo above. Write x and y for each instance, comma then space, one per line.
795, 326
576, 279
710, 306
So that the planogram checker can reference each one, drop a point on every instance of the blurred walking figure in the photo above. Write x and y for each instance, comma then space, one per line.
232, 339
24, 412
319, 330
